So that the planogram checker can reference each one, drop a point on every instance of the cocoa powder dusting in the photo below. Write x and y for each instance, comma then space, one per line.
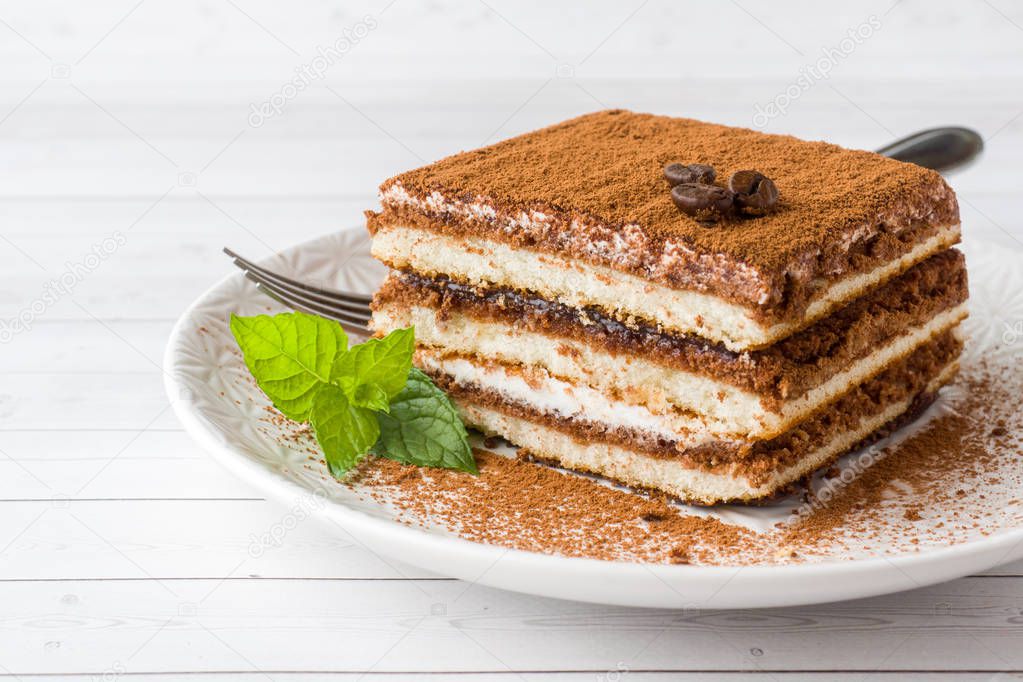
517, 503
930, 490
935, 484
608, 165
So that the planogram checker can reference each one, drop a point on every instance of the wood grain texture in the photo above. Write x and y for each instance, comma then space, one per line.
608, 675
353, 625
125, 551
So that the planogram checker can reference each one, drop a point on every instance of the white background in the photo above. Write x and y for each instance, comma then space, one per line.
124, 550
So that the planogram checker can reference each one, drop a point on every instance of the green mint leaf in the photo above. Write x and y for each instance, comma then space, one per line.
374, 372
344, 431
423, 428
370, 396
365, 399
290, 355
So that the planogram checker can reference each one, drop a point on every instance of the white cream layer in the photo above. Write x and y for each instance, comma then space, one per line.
671, 476
485, 262
662, 393
538, 390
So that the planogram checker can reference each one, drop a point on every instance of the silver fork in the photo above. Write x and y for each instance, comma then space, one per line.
349, 309
940, 149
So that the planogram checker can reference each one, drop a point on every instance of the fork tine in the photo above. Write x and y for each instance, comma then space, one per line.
348, 326
330, 296
356, 309
345, 318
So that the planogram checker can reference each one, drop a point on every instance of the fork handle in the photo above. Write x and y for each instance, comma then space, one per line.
940, 149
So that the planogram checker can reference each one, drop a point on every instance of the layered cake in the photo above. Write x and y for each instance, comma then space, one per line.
706, 311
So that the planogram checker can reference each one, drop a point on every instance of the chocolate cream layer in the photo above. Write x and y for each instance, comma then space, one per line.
738, 326
682, 379
714, 472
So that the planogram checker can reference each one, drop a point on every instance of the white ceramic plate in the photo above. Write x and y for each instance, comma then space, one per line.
221, 408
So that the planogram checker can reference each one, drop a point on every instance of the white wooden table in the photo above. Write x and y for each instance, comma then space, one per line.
125, 552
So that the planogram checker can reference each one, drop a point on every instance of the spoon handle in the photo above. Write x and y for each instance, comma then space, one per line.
940, 149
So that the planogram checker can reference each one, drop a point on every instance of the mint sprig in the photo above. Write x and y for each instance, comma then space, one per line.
290, 356
359, 400
375, 371
423, 428
344, 431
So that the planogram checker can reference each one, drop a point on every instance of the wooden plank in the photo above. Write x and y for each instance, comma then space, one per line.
183, 472
84, 346
184, 214
62, 540
86, 401
448, 626
601, 675
1013, 569
514, 38
451, 108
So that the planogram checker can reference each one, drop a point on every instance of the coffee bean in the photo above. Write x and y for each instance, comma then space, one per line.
677, 173
755, 193
706, 203
745, 181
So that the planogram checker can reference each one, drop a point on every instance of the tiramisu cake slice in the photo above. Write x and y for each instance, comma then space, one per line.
622, 294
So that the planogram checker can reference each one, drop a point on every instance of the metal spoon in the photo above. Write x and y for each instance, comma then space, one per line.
940, 149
